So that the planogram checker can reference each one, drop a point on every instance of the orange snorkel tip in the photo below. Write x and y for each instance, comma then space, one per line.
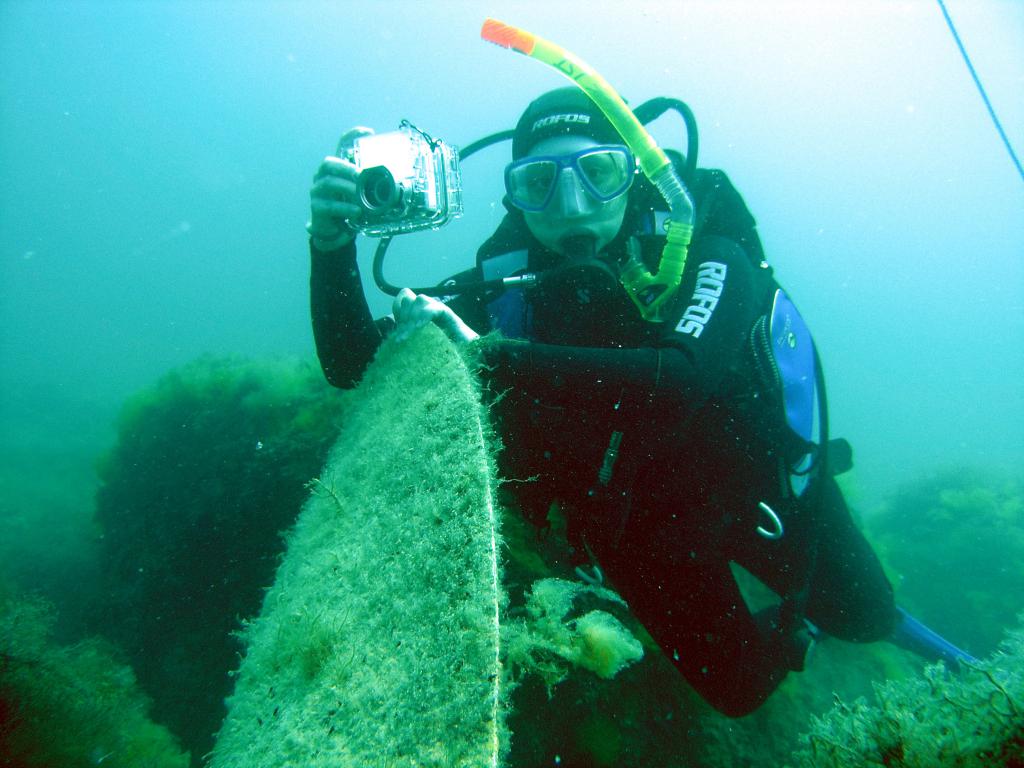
507, 36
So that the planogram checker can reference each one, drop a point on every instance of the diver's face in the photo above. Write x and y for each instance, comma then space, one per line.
573, 210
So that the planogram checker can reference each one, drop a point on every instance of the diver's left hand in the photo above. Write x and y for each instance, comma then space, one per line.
413, 311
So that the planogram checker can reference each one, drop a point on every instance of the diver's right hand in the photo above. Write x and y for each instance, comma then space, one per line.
333, 198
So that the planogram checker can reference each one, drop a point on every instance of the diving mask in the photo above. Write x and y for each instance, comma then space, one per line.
604, 171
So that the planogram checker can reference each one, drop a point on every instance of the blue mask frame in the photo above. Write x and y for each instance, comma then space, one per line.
548, 171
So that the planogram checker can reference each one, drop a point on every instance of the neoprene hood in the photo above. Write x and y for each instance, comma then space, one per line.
557, 113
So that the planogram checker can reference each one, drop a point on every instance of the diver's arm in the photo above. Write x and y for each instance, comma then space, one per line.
662, 376
344, 330
345, 333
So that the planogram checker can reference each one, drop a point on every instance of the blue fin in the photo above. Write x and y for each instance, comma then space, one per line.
910, 634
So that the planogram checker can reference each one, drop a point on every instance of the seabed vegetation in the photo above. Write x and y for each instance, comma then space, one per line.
199, 497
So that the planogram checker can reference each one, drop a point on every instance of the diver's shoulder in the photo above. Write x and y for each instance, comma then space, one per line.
719, 247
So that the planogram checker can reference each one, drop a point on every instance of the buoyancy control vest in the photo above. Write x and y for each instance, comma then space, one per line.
785, 358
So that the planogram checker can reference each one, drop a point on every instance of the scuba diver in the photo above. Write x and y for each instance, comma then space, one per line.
673, 448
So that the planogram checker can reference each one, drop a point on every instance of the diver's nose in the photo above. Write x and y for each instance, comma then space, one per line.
572, 198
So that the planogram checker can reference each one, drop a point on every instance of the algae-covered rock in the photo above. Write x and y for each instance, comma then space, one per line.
209, 468
553, 638
379, 642
71, 706
953, 544
970, 719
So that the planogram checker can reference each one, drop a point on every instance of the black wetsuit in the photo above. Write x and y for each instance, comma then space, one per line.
703, 442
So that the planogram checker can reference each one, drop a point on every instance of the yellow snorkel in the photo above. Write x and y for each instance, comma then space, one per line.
651, 292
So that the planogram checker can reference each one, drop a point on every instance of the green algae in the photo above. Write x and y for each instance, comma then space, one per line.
379, 642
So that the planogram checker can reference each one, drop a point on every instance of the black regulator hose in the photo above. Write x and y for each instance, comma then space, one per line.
444, 289
485, 142
654, 108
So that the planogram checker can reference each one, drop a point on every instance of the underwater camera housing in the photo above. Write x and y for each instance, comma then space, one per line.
407, 181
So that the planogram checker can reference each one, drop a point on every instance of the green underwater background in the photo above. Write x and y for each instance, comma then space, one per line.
164, 424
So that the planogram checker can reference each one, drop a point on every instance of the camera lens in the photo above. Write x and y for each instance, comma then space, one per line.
377, 189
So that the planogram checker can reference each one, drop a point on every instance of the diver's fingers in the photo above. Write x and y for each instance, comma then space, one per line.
333, 188
334, 197
407, 309
348, 138
398, 307
413, 311
454, 326
415, 308
335, 166
334, 209
427, 308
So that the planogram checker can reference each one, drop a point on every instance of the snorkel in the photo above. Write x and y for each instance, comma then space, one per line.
651, 292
